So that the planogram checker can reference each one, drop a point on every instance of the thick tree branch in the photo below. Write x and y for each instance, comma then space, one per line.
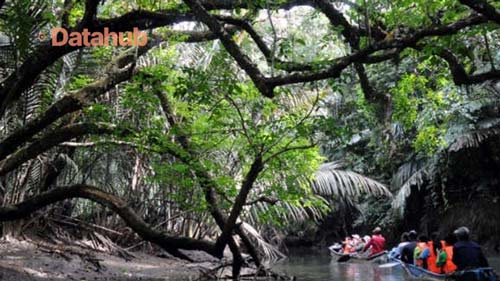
266, 85
194, 36
364, 54
350, 32
119, 70
461, 77
336, 18
240, 201
50, 140
378, 58
263, 199
484, 8
209, 187
244, 4
295, 66
46, 54
352, 35
243, 60
268, 54
168, 243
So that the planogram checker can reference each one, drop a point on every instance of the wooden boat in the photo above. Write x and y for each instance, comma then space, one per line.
382, 256
419, 273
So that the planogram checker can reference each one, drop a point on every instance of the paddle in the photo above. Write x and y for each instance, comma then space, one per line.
344, 258
389, 265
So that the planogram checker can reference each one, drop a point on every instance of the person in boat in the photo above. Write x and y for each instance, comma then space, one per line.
437, 266
358, 242
408, 250
348, 246
444, 255
396, 251
437, 257
376, 243
367, 238
448, 243
466, 253
421, 252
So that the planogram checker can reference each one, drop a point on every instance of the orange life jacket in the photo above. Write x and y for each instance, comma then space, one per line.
431, 260
449, 266
422, 246
348, 246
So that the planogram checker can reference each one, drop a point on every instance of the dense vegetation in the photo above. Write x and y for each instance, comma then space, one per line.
240, 121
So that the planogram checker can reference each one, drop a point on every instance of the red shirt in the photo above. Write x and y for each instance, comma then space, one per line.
377, 243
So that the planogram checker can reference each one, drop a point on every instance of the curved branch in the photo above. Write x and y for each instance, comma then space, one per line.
364, 54
266, 85
264, 49
209, 187
461, 77
136, 223
50, 140
484, 8
232, 48
352, 35
46, 54
240, 201
118, 71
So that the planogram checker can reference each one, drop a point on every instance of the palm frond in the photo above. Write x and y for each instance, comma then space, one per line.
268, 251
413, 179
405, 172
473, 138
69, 63
331, 181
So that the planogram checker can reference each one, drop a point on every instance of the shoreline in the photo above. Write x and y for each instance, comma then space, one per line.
25, 260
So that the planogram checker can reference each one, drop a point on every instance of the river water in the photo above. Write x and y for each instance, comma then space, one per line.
308, 265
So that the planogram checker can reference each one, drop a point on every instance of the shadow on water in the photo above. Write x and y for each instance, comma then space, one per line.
309, 265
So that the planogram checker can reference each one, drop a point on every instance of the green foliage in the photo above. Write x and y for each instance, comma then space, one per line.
429, 140
76, 13
21, 21
79, 81
103, 53
405, 106
417, 13
416, 112
228, 124
98, 112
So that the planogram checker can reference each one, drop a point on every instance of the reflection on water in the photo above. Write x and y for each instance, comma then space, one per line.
312, 266
361, 272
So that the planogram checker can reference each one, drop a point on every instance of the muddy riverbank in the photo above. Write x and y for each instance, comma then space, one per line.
31, 260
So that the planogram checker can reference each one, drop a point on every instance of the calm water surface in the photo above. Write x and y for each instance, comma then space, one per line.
308, 265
